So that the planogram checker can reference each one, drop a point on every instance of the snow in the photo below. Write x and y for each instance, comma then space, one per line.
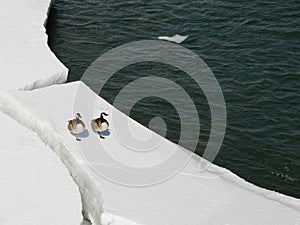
39, 187
110, 219
91, 199
26, 61
215, 196
36, 187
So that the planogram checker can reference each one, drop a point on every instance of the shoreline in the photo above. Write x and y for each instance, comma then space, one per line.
36, 186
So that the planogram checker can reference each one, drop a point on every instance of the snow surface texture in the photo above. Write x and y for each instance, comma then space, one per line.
36, 187
213, 197
90, 196
26, 61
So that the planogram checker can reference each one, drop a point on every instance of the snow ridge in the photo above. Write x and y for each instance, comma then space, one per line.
27, 61
89, 189
58, 78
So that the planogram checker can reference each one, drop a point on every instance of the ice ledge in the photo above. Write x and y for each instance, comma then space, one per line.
89, 190
215, 196
36, 188
26, 61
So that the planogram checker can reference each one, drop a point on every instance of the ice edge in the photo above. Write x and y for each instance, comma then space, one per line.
229, 176
91, 197
92, 201
60, 77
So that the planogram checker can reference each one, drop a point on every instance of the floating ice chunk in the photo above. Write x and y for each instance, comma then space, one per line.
176, 38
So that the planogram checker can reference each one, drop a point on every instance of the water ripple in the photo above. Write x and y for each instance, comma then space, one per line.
251, 46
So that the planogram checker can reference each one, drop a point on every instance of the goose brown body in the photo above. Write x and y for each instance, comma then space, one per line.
76, 126
100, 124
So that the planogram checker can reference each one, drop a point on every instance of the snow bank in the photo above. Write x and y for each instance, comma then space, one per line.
36, 187
26, 61
215, 196
91, 199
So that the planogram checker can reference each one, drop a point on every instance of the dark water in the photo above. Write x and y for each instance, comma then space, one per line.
252, 47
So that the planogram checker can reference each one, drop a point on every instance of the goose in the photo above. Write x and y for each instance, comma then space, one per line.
76, 126
100, 124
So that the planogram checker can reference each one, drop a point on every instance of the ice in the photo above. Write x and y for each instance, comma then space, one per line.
26, 61
91, 199
35, 187
110, 219
215, 196
176, 38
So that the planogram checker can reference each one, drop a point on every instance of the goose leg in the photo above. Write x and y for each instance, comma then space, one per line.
77, 139
100, 135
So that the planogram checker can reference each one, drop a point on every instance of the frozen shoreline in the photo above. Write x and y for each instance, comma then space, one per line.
215, 196
36, 187
26, 60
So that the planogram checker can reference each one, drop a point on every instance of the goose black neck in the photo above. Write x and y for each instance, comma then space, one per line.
103, 113
101, 116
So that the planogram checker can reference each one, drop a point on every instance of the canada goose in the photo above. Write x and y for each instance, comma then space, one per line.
76, 126
100, 124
